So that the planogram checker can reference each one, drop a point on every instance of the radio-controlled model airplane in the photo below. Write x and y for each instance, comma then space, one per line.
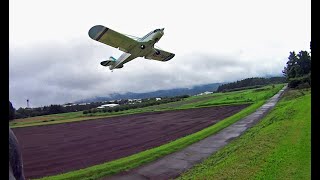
132, 48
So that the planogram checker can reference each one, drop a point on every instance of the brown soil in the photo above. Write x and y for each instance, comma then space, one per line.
53, 149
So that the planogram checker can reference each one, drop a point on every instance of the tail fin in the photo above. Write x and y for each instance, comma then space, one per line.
109, 62
112, 58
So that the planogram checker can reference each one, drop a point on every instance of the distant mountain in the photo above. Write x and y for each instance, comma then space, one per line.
160, 93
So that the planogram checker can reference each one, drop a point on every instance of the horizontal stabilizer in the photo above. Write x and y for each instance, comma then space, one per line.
107, 63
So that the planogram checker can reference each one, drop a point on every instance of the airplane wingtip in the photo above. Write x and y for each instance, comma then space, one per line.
96, 31
169, 57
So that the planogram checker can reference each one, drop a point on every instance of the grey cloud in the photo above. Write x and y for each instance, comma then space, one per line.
60, 73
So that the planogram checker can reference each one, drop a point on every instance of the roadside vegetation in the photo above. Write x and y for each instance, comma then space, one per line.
126, 163
278, 147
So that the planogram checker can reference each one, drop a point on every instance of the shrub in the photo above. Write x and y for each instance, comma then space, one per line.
303, 81
116, 109
303, 85
94, 111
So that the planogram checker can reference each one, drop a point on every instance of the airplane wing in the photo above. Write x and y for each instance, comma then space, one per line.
112, 38
162, 56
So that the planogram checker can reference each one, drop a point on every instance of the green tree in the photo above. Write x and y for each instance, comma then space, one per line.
290, 70
55, 109
298, 70
11, 111
298, 65
304, 61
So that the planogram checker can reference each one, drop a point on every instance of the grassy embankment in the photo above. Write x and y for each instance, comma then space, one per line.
239, 97
278, 147
126, 163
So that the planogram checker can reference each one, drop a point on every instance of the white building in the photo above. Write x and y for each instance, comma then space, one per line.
83, 104
133, 101
207, 92
66, 105
158, 99
107, 105
204, 93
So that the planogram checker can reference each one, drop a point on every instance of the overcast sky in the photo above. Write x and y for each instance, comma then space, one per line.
53, 60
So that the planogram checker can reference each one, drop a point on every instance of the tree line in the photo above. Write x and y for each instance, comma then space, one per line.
87, 108
298, 69
51, 109
150, 102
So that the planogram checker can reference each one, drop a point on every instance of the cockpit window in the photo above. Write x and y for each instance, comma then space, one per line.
149, 34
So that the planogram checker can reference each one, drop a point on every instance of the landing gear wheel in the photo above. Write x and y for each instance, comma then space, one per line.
142, 46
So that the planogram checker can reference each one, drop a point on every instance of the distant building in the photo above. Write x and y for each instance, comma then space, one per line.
107, 105
158, 99
68, 104
204, 93
133, 101
208, 92
83, 103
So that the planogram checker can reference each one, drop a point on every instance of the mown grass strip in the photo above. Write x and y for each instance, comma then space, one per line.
278, 147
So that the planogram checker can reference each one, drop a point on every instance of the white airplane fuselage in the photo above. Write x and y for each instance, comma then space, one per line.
145, 47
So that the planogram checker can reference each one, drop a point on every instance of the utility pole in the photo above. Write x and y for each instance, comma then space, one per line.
27, 103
